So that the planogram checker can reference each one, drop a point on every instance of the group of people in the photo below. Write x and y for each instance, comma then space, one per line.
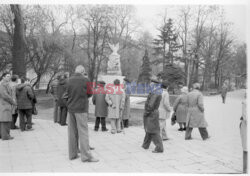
188, 109
17, 98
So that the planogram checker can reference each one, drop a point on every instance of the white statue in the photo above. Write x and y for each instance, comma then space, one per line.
114, 65
114, 48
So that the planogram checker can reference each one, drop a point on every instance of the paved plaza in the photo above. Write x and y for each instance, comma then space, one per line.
46, 149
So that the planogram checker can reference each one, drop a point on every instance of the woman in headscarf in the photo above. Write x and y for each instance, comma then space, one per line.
180, 108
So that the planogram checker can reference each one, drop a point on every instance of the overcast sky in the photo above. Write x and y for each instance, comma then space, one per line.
149, 17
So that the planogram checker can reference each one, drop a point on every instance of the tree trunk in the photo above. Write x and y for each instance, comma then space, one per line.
18, 49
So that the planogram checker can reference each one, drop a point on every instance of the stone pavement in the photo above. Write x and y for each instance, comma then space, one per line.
45, 149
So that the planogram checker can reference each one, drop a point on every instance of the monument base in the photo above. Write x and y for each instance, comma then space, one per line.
110, 78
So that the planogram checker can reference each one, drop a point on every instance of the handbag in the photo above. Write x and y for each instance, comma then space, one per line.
34, 110
173, 119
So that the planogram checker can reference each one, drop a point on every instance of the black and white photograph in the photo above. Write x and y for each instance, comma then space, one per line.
124, 87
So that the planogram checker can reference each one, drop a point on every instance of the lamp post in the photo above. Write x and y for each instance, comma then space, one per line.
189, 54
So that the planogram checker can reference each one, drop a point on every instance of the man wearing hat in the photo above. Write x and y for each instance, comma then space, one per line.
101, 106
126, 110
151, 118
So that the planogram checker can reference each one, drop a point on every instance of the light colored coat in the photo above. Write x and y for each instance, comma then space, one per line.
6, 101
195, 115
116, 104
181, 108
164, 108
13, 86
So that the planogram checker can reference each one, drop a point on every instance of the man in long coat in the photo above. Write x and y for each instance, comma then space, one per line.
151, 118
126, 110
61, 88
53, 91
195, 115
6, 101
101, 106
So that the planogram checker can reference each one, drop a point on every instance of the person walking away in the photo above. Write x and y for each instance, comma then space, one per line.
126, 110
243, 133
101, 106
164, 111
25, 97
77, 103
53, 91
181, 109
116, 104
195, 115
13, 83
6, 103
151, 118
61, 88
224, 93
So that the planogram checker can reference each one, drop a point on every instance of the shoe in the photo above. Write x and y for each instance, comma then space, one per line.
64, 124
188, 138
207, 138
77, 156
91, 160
145, 147
184, 129
180, 129
166, 139
91, 148
105, 129
155, 151
95, 129
9, 138
30, 129
119, 131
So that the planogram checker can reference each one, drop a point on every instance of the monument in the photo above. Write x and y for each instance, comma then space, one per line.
114, 66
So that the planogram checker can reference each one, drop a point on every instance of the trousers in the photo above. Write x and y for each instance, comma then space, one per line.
56, 117
78, 131
203, 133
115, 125
156, 138
25, 117
163, 129
103, 123
63, 115
5, 130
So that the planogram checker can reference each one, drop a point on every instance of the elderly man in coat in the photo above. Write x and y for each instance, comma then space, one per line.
151, 118
101, 106
195, 115
76, 97
164, 111
6, 102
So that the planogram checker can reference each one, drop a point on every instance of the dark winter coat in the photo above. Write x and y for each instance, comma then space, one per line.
101, 106
151, 113
25, 96
61, 88
76, 94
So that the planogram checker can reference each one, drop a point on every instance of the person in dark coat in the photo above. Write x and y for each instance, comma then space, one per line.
101, 107
76, 97
53, 91
25, 98
195, 114
61, 88
151, 118
13, 84
6, 102
224, 93
126, 110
